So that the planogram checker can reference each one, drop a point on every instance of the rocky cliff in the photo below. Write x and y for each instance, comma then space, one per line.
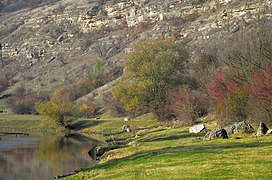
58, 42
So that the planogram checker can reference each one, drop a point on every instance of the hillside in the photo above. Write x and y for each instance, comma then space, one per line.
50, 43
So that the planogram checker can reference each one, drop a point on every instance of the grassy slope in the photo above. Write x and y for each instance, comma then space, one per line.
166, 153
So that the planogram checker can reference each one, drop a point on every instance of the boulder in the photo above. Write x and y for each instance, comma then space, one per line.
269, 132
197, 128
98, 151
240, 127
126, 128
216, 133
262, 129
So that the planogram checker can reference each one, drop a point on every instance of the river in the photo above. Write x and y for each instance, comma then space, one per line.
43, 156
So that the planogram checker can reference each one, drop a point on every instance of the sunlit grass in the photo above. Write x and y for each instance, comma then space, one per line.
172, 154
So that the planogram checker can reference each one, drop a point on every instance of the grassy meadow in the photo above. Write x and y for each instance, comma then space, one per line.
172, 153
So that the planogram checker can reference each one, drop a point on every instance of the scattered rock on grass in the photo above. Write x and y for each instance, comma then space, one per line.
126, 119
269, 132
238, 128
197, 128
262, 129
216, 133
126, 128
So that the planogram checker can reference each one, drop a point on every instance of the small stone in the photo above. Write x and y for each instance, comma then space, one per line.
126, 119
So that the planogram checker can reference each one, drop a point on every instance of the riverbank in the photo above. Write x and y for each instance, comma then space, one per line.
156, 150
166, 152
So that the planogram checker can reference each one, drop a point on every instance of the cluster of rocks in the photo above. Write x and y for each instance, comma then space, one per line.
238, 127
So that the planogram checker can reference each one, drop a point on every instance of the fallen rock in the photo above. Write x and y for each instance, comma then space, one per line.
262, 129
240, 127
98, 151
197, 128
269, 132
126, 128
216, 133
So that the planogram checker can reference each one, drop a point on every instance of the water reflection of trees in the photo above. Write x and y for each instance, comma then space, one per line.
65, 154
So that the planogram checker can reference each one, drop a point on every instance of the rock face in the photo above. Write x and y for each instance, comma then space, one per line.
216, 133
262, 129
126, 128
58, 41
240, 127
197, 128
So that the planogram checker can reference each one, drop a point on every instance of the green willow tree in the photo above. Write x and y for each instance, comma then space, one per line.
153, 68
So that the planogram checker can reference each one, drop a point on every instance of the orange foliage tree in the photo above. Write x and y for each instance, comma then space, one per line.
60, 110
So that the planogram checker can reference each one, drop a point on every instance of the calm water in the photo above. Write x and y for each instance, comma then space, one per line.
44, 156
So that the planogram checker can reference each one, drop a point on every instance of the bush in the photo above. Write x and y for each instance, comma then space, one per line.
113, 105
188, 104
59, 110
22, 102
3, 84
89, 109
153, 68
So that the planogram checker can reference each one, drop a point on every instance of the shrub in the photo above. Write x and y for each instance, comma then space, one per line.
188, 104
89, 109
113, 105
22, 102
153, 68
3, 84
230, 97
59, 110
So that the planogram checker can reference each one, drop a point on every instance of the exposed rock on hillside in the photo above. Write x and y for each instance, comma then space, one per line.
58, 42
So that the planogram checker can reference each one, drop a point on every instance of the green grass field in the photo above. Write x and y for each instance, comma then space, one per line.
166, 153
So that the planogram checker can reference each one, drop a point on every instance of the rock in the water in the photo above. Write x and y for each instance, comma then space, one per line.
126, 128
240, 127
216, 133
262, 129
197, 128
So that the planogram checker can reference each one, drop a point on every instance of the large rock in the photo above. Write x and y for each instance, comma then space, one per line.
98, 151
240, 127
197, 128
126, 128
269, 132
262, 129
216, 133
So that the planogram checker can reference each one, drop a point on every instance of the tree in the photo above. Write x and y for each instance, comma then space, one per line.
59, 110
153, 67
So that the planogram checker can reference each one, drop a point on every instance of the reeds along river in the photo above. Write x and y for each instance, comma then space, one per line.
43, 156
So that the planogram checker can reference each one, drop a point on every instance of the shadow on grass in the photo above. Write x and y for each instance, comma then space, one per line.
183, 134
187, 150
82, 124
